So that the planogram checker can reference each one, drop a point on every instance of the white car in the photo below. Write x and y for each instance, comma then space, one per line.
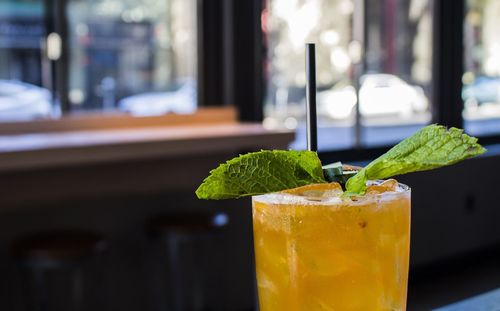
379, 95
23, 101
385, 94
180, 101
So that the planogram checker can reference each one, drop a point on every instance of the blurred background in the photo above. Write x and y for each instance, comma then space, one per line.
113, 111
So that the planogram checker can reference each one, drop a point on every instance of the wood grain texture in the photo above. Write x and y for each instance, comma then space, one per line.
116, 120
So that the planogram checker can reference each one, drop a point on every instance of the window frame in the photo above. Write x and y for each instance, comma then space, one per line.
448, 62
242, 84
210, 53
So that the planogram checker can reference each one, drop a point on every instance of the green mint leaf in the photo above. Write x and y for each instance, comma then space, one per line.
262, 172
431, 147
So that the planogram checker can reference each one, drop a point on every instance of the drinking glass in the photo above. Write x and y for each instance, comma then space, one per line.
317, 250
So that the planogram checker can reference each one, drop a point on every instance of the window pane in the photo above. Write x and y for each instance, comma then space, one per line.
481, 79
22, 96
392, 92
288, 25
395, 91
137, 56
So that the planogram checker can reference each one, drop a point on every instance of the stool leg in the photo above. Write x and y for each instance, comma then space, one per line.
198, 288
40, 291
186, 270
77, 289
174, 245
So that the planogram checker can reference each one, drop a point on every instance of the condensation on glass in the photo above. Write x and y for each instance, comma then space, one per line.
383, 73
481, 78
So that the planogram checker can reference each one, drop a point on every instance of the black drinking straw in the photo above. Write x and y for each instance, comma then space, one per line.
311, 121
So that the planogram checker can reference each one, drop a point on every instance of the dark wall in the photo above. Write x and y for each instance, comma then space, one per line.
455, 210
132, 274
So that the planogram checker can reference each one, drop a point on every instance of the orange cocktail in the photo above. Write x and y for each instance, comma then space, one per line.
316, 250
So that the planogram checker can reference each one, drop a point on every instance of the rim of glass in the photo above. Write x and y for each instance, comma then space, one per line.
403, 190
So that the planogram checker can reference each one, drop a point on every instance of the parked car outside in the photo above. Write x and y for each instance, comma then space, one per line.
379, 95
180, 101
385, 94
23, 101
483, 90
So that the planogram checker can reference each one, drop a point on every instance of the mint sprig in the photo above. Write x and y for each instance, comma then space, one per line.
262, 172
432, 147
271, 171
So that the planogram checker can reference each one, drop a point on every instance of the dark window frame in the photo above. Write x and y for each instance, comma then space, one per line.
210, 53
238, 77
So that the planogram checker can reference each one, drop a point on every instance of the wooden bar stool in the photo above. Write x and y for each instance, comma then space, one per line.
186, 236
40, 255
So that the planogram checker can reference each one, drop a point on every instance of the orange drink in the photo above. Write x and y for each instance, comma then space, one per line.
317, 250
